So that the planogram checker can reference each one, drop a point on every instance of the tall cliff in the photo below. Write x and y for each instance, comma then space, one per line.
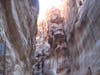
74, 38
18, 25
84, 42
67, 44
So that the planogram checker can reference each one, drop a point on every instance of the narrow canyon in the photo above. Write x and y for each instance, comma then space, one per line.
65, 42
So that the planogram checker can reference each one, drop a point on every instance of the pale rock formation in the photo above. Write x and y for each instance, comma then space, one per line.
74, 41
18, 20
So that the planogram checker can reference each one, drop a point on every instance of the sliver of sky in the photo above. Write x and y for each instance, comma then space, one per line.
47, 4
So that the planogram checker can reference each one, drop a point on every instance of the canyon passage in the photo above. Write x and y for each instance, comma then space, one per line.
49, 37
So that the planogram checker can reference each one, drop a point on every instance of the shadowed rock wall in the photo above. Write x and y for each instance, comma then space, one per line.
18, 20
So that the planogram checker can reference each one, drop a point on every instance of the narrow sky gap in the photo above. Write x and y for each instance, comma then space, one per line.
47, 4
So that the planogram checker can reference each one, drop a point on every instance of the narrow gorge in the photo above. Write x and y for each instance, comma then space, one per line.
63, 40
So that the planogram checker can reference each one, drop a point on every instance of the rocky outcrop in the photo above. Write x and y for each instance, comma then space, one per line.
18, 26
74, 39
58, 59
85, 38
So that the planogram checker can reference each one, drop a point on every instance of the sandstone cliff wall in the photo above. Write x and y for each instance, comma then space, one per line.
75, 43
18, 28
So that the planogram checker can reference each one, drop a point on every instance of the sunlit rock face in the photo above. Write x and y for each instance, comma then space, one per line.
75, 41
58, 62
18, 23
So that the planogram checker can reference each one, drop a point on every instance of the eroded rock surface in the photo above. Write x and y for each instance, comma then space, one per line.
69, 44
18, 26
73, 35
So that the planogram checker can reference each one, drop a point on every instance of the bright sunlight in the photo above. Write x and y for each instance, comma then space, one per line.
47, 4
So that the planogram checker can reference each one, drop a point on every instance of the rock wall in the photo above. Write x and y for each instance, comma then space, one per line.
58, 61
74, 39
18, 26
85, 38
